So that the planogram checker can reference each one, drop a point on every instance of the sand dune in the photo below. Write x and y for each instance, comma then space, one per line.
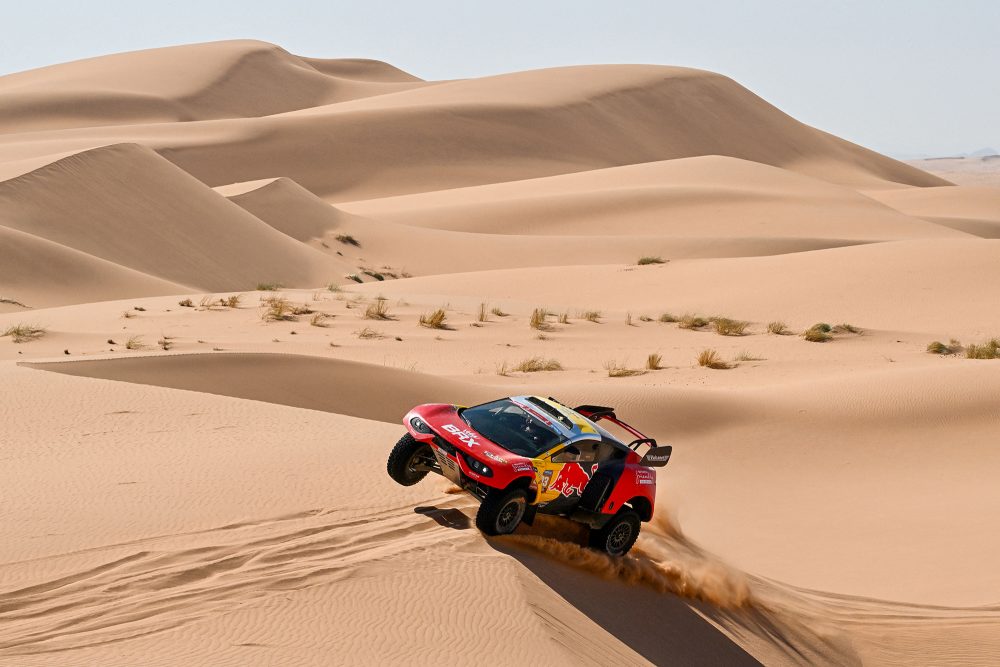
710, 196
234, 79
802, 288
126, 205
974, 210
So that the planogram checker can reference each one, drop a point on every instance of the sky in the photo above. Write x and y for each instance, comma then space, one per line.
903, 77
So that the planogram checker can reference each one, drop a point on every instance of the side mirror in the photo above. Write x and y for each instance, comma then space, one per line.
571, 453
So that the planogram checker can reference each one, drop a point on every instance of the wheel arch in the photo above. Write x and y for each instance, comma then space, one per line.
642, 506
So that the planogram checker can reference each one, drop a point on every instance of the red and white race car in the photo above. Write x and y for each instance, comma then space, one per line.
526, 454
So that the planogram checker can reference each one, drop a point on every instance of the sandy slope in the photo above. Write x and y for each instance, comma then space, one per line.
197, 484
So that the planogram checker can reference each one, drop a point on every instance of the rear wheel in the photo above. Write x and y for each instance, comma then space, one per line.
618, 535
409, 461
501, 511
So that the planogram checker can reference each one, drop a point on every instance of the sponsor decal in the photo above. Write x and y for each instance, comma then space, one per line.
546, 478
466, 436
491, 455
644, 477
521, 466
571, 479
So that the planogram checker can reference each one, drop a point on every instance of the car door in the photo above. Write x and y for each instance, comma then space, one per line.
562, 473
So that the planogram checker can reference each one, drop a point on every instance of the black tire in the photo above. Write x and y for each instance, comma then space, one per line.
618, 535
501, 511
407, 453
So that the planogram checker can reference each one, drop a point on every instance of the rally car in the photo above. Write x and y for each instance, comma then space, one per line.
526, 454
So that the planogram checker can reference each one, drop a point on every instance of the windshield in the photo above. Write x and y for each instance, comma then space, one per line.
511, 427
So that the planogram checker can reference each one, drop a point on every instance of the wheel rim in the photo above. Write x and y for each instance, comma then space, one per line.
510, 515
419, 457
619, 537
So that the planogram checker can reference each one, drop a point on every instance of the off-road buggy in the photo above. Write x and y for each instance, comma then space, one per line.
527, 454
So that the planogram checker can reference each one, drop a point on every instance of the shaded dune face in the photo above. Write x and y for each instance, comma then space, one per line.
201, 476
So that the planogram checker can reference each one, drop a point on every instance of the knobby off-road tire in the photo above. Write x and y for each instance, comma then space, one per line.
618, 535
404, 455
501, 512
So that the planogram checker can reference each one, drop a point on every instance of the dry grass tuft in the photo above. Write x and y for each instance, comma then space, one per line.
186, 303
484, 313
502, 368
692, 322
434, 320
846, 328
378, 310
537, 320
347, 239
319, 320
134, 343
778, 328
496, 310
537, 364
667, 317
276, 309
592, 316
232, 301
987, 350
937, 347
564, 318
727, 327
269, 287
710, 359
645, 318
746, 356
818, 333
643, 261
355, 277
368, 333
654, 362
128, 314
24, 333
165, 343
628, 320
618, 370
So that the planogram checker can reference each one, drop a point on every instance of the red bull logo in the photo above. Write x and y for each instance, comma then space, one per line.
571, 479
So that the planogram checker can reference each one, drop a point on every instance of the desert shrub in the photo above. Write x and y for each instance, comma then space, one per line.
186, 303
654, 362
536, 364
727, 327
277, 308
269, 287
667, 317
347, 239
778, 328
643, 261
319, 320
232, 301
692, 322
24, 333
987, 350
592, 316
710, 359
134, 343
620, 370
645, 318
302, 309
355, 277
373, 274
379, 310
537, 320
434, 320
818, 333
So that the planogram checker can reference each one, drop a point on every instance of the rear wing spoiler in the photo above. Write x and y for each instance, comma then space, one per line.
657, 456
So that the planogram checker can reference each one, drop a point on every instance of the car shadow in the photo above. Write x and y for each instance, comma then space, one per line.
449, 518
663, 628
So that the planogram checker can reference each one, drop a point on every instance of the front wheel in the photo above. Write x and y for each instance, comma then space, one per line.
409, 461
501, 511
618, 535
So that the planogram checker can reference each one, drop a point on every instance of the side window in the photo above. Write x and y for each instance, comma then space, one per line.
588, 451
